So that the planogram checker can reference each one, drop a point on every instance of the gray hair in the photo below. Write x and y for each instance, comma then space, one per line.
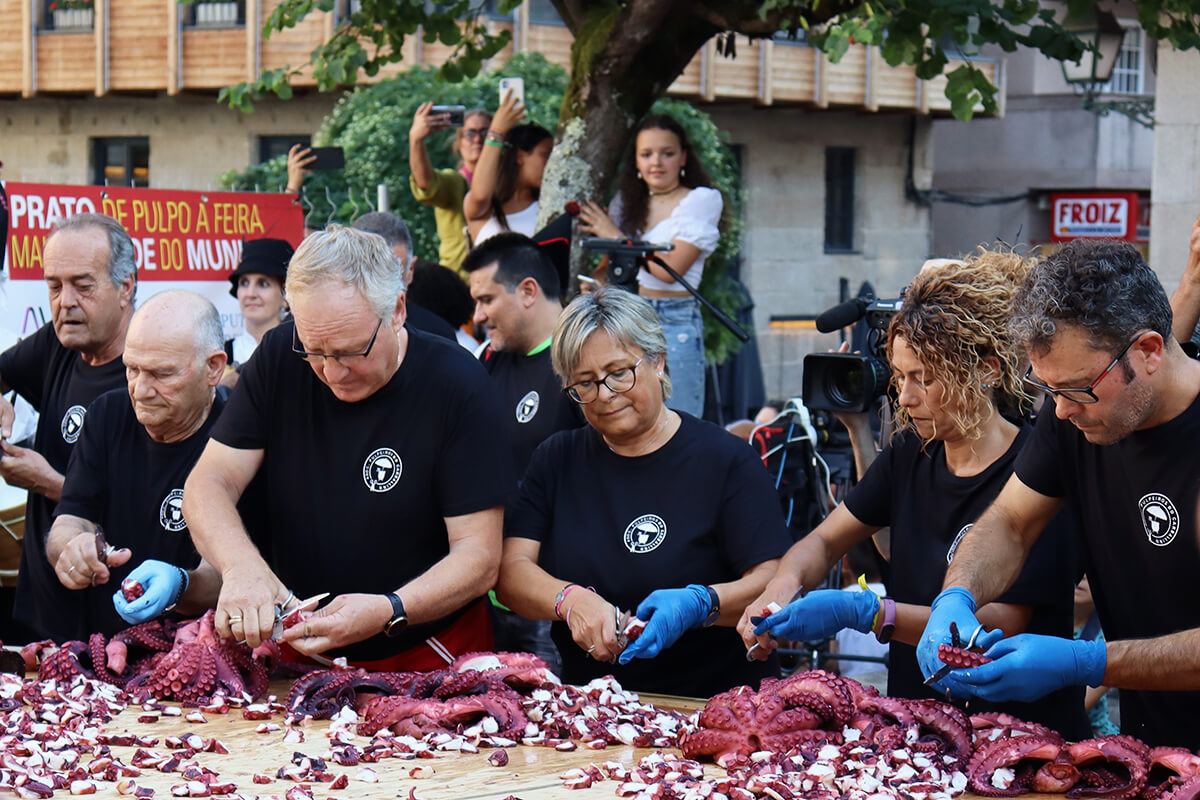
122, 261
391, 228
623, 315
1101, 286
200, 314
343, 255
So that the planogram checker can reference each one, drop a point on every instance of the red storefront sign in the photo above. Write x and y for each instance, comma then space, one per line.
178, 235
1093, 215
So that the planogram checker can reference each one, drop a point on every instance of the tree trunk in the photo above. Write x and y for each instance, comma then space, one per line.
622, 60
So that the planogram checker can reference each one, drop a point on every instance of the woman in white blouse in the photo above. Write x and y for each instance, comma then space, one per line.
666, 196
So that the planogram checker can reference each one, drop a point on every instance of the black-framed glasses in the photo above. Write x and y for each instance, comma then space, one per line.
618, 382
1084, 394
474, 133
298, 348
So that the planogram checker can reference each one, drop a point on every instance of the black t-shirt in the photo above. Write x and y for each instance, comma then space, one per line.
357, 493
531, 394
422, 319
114, 452
1136, 503
929, 510
700, 509
60, 385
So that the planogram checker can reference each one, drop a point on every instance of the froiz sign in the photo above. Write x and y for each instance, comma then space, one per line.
1094, 216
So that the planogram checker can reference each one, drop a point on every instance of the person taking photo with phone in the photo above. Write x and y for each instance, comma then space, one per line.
444, 189
504, 193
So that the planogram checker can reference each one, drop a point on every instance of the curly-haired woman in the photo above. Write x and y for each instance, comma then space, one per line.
954, 371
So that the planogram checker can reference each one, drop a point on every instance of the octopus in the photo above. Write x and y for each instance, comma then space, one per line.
805, 708
73, 658
1171, 769
322, 693
1108, 766
1010, 766
472, 672
995, 724
198, 666
1113, 767
420, 716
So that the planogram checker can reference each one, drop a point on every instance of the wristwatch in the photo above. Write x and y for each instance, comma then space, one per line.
887, 624
715, 609
399, 621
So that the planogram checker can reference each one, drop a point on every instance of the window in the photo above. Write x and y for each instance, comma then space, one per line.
271, 146
121, 161
541, 12
1128, 76
215, 14
798, 36
839, 199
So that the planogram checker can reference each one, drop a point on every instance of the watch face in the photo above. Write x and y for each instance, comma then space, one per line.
395, 626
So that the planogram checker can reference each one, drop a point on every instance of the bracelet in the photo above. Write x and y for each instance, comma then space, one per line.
560, 597
495, 143
183, 587
496, 133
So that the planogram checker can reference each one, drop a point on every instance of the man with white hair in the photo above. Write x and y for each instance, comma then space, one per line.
154, 430
367, 429
91, 278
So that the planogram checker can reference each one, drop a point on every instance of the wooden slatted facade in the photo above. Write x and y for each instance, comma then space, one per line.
149, 45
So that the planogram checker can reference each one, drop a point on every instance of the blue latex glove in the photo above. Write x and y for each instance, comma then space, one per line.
668, 613
1028, 666
956, 605
820, 614
163, 583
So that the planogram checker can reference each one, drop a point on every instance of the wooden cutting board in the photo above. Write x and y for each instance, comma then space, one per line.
532, 773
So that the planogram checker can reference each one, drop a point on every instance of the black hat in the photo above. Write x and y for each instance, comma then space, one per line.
263, 257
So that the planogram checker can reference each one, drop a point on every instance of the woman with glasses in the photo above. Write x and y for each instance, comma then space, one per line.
644, 512
444, 189
958, 390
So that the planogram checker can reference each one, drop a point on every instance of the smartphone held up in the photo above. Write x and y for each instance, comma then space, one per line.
455, 115
514, 87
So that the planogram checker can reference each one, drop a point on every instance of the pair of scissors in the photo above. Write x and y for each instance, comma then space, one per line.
293, 606
955, 641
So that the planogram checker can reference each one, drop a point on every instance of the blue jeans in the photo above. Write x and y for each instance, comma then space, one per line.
684, 329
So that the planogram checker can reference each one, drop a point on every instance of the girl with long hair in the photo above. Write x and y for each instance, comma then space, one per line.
665, 195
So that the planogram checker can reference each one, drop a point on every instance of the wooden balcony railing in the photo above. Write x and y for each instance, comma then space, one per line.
157, 45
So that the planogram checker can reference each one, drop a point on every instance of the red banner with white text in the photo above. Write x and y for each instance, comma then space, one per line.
178, 236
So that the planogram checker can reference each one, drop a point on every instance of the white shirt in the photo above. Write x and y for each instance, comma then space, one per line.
518, 222
694, 221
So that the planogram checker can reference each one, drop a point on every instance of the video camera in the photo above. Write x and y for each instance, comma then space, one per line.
851, 382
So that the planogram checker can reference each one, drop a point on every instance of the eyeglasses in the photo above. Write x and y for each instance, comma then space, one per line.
474, 133
618, 382
1084, 395
298, 348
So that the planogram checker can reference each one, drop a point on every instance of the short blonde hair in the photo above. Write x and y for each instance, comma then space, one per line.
346, 256
623, 315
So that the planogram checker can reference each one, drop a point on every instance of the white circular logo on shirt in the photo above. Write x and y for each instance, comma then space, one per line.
72, 423
957, 538
645, 533
170, 513
381, 470
527, 407
1159, 518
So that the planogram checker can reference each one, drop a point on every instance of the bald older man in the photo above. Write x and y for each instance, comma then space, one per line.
127, 472
91, 280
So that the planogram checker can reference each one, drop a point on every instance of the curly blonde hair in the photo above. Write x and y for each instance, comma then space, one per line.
955, 317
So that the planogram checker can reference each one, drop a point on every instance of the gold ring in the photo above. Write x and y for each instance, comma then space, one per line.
72, 569
234, 618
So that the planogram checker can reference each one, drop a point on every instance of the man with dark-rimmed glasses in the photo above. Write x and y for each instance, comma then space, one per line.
365, 430
1117, 439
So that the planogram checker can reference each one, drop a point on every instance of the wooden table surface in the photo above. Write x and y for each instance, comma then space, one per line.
532, 773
